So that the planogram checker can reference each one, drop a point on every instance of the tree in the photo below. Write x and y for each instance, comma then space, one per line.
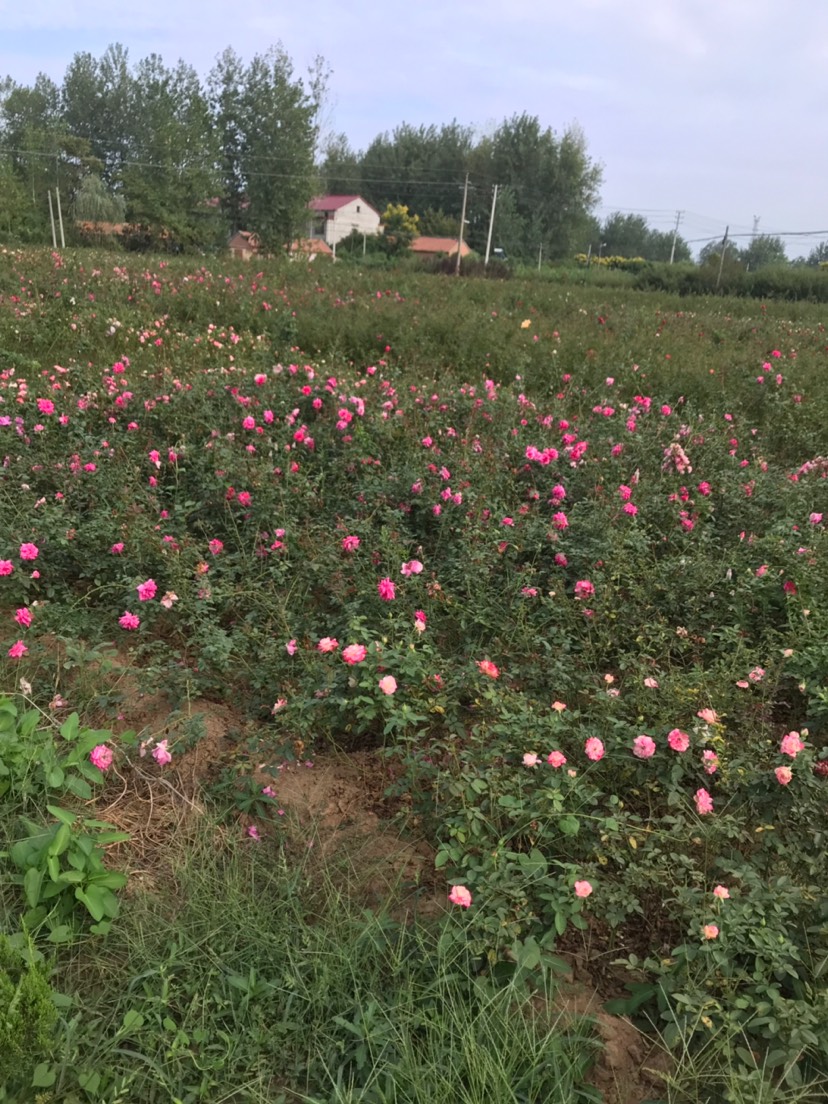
629, 235
400, 229
421, 167
18, 216
762, 251
94, 202
278, 140
711, 253
818, 255
44, 155
554, 183
225, 88
171, 173
340, 172
438, 224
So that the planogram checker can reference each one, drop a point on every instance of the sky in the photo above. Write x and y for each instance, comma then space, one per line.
714, 108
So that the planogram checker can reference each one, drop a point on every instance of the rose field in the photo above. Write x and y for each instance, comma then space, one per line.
393, 661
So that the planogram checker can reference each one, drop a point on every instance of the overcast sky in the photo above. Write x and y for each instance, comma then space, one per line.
718, 108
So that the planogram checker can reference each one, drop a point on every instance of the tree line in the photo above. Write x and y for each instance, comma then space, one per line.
182, 162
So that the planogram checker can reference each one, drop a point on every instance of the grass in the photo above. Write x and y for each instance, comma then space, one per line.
249, 976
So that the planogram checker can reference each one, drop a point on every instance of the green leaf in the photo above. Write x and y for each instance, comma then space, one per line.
532, 864
69, 728
63, 815
569, 825
132, 1020
90, 1081
32, 885
93, 901
79, 787
60, 934
44, 1076
55, 777
441, 860
63, 838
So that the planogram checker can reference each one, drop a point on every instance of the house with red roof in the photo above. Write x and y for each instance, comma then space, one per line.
334, 217
435, 247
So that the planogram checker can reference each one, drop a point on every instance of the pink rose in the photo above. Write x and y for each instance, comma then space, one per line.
643, 747
704, 802
583, 889
354, 653
388, 684
460, 896
594, 749
678, 740
101, 757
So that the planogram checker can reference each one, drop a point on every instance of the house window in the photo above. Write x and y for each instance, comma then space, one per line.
358, 208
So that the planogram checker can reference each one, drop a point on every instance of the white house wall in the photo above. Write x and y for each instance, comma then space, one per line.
356, 215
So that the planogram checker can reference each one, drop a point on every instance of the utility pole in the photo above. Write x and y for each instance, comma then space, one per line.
721, 259
60, 219
679, 216
540, 255
755, 225
52, 218
491, 227
462, 225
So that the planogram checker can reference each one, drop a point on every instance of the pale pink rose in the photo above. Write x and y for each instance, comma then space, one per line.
388, 684
583, 889
594, 749
530, 759
709, 716
280, 703
704, 802
327, 644
710, 931
651, 683
791, 744
721, 892
783, 775
559, 706
678, 740
556, 759
161, 754
413, 567
643, 747
710, 760
460, 896
354, 653
290, 647
486, 667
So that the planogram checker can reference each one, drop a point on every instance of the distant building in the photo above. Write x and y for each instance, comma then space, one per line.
435, 247
334, 217
243, 245
310, 249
